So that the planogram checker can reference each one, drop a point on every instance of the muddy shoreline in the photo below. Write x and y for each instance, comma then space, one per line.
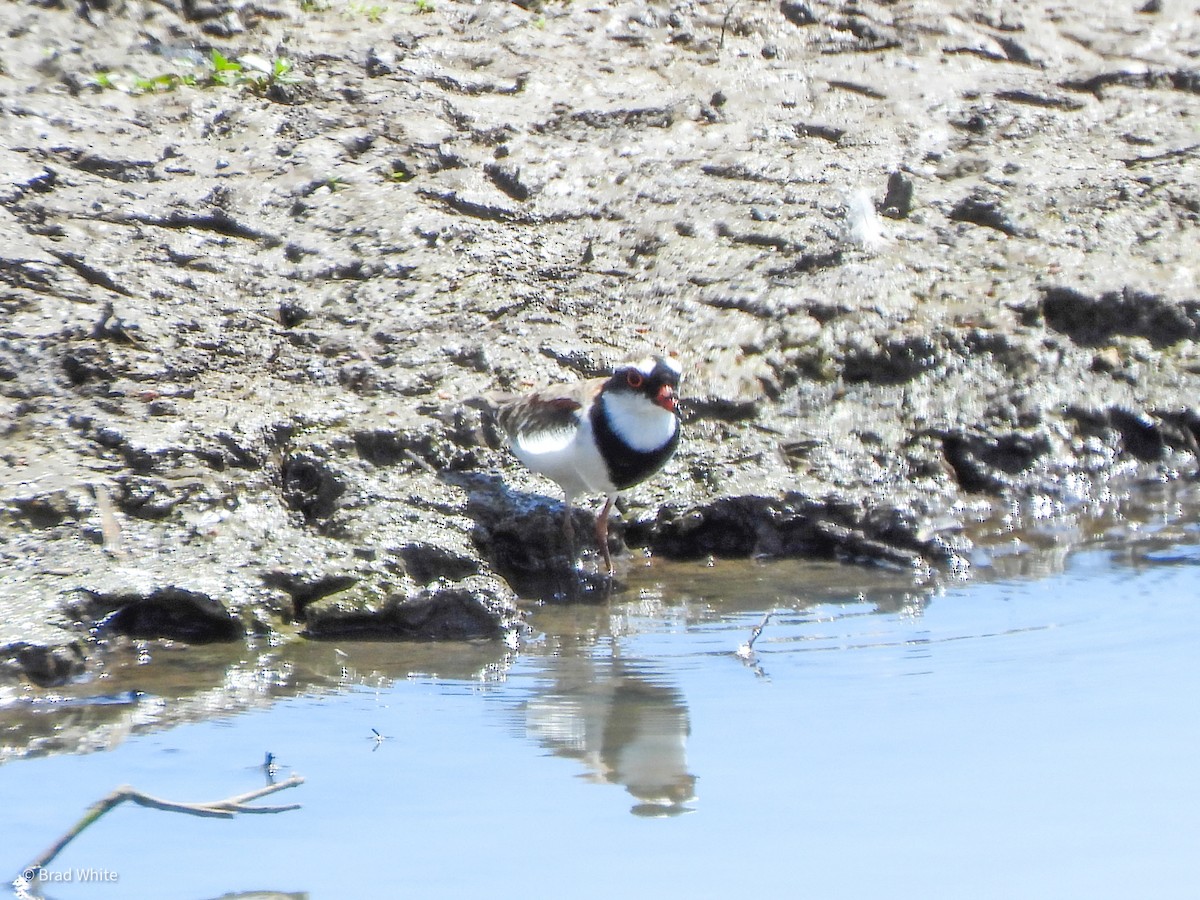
919, 259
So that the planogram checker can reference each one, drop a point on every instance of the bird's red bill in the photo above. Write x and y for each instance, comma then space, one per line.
666, 398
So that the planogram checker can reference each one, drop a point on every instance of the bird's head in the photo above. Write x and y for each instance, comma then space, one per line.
656, 378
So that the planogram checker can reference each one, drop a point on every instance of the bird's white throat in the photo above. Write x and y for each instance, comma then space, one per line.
639, 422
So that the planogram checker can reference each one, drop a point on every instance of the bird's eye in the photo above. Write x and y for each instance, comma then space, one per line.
635, 379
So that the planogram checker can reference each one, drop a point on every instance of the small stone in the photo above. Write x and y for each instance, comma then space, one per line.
797, 13
1107, 360
377, 65
898, 201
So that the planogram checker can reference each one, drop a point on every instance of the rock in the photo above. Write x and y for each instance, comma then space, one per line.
794, 525
48, 508
980, 210
797, 13
477, 607
311, 487
378, 65
1094, 320
897, 203
987, 463
1107, 359
524, 541
167, 612
428, 562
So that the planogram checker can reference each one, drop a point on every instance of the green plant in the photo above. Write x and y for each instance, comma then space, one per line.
423, 6
282, 70
168, 81
400, 174
260, 73
225, 71
253, 72
374, 13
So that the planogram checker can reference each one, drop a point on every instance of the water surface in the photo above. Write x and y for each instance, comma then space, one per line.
1008, 736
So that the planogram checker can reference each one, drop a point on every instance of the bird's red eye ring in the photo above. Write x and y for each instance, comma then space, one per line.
635, 379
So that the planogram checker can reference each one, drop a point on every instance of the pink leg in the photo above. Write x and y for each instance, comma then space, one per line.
569, 528
602, 532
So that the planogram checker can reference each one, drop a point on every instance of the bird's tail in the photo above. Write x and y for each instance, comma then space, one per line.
489, 433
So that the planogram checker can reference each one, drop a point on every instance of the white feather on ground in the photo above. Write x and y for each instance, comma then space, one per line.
863, 225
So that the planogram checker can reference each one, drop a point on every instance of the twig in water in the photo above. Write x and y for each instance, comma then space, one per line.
223, 809
746, 650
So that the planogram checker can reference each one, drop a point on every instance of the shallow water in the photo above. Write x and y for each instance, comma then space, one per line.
1009, 736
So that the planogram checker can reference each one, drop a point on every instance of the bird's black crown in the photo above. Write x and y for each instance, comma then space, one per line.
646, 377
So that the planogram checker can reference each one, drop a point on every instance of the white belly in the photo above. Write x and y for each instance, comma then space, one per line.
569, 458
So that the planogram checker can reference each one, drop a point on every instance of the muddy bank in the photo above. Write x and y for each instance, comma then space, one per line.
917, 258
138, 687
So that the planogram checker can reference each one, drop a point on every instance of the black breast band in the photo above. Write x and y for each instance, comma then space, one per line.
626, 466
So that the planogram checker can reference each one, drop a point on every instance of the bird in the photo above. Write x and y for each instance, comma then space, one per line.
600, 436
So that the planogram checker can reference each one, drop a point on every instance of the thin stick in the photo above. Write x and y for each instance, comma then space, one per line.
424, 464
110, 525
758, 629
725, 24
746, 650
224, 809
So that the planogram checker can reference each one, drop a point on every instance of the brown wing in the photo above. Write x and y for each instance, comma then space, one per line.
551, 410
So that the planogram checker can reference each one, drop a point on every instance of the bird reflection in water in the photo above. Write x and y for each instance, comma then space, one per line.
617, 717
